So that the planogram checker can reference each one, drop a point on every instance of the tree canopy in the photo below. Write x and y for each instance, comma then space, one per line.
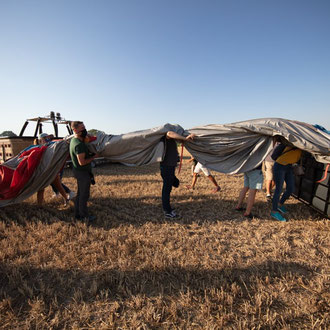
8, 133
94, 131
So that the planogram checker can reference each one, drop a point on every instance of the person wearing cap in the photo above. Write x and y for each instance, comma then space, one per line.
82, 170
44, 138
57, 186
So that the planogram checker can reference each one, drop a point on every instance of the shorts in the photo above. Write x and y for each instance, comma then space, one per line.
253, 179
200, 167
269, 176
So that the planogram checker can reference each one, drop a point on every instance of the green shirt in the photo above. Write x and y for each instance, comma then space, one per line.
78, 147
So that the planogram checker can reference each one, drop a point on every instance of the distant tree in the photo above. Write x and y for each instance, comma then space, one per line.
94, 131
8, 133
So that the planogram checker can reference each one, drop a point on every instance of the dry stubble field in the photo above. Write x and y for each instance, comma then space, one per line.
134, 269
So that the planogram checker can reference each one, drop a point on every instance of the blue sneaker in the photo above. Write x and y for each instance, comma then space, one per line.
277, 216
282, 209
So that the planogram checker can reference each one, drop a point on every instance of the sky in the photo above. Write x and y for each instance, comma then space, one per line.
127, 65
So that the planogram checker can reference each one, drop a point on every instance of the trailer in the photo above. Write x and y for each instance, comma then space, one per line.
11, 146
313, 188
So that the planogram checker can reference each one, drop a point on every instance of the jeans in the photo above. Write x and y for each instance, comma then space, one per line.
67, 190
282, 173
84, 184
169, 180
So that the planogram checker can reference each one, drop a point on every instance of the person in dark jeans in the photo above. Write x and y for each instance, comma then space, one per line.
284, 157
82, 170
167, 169
70, 194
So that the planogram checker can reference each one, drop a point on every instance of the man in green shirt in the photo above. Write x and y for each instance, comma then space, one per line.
82, 170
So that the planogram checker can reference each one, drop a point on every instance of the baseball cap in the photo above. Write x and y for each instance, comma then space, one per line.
42, 135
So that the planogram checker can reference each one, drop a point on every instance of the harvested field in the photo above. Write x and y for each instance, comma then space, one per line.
211, 268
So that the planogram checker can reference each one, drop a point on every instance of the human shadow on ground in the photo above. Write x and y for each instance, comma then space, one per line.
113, 211
59, 288
191, 209
129, 181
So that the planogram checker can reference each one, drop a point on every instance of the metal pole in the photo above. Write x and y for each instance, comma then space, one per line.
23, 128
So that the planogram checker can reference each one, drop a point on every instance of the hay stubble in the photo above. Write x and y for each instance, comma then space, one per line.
134, 269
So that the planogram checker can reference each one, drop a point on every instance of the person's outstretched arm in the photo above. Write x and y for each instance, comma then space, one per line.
176, 136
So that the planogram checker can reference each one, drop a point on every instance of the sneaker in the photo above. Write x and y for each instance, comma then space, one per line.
216, 189
269, 196
282, 209
277, 216
176, 183
171, 214
71, 195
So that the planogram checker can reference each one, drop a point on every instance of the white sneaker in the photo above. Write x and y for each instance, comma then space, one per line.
71, 195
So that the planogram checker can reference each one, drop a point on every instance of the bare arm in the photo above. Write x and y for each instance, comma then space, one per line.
176, 136
82, 160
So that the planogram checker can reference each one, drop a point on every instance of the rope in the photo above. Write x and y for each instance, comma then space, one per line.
325, 174
181, 157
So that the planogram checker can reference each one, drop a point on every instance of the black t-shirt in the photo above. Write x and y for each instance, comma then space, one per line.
171, 153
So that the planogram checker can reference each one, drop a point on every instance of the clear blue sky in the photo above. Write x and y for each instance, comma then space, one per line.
127, 65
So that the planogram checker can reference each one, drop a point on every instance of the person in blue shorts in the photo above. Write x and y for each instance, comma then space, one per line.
253, 181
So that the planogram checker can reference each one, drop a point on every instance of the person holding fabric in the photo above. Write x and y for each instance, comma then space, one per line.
167, 169
253, 181
284, 156
45, 139
269, 170
200, 167
82, 170
70, 194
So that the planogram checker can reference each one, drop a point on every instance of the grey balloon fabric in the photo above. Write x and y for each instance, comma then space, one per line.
230, 148
51, 163
240, 147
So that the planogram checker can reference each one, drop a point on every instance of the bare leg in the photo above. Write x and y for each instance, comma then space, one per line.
250, 201
194, 180
270, 184
241, 197
57, 183
212, 179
